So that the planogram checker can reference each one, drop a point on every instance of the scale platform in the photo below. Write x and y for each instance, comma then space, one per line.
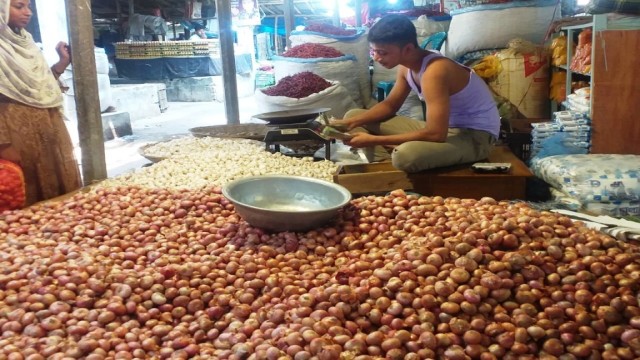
294, 127
294, 136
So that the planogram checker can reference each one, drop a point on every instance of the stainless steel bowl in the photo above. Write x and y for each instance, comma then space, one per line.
286, 203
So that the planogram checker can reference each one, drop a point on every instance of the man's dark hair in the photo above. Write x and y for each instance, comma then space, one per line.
393, 29
198, 27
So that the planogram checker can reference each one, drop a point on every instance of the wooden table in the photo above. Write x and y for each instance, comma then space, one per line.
455, 181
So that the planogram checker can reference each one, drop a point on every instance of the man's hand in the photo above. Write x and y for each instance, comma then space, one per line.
341, 125
360, 140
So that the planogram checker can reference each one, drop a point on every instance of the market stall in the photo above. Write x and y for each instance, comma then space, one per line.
172, 68
174, 59
162, 262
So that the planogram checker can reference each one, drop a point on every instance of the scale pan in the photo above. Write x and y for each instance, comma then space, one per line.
290, 116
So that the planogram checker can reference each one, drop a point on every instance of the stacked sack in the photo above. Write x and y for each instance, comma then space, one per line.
579, 101
568, 133
324, 61
305, 90
347, 41
523, 78
104, 85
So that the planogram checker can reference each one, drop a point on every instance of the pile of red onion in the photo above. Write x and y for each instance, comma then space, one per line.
129, 273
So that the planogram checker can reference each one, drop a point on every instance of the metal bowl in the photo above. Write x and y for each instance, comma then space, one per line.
286, 203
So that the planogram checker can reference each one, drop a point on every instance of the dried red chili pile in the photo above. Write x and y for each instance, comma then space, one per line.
329, 29
311, 50
298, 86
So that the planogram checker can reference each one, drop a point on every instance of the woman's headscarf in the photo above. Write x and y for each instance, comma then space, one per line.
25, 75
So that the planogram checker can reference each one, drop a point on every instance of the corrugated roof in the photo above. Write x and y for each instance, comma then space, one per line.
174, 9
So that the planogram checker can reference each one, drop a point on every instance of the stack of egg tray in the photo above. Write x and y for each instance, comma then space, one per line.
158, 49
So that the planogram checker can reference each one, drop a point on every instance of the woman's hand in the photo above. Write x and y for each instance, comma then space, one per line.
361, 139
8, 152
65, 56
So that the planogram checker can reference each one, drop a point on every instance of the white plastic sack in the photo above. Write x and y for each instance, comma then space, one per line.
356, 44
614, 208
412, 107
524, 78
592, 177
426, 26
102, 61
196, 10
492, 26
336, 97
381, 73
337, 69
104, 91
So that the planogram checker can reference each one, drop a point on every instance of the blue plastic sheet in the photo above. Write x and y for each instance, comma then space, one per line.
173, 68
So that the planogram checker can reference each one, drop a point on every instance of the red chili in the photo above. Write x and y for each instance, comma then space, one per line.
298, 86
311, 50
329, 29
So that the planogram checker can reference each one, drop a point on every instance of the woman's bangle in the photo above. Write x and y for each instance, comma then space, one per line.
55, 72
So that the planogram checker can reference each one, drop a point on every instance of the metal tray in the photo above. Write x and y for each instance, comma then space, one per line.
143, 152
290, 116
238, 131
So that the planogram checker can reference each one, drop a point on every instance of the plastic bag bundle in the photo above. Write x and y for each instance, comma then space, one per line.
558, 86
488, 67
568, 133
559, 50
580, 101
581, 61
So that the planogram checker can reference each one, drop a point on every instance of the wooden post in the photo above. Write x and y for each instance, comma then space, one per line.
358, 11
227, 55
131, 9
289, 21
275, 35
85, 83
118, 11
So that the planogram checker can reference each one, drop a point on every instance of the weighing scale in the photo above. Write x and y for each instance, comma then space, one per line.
294, 127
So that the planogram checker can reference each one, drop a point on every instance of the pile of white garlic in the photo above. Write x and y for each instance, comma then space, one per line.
193, 163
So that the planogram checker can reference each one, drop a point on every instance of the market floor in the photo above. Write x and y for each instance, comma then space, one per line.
121, 154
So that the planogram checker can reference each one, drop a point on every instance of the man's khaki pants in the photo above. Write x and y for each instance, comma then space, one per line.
462, 145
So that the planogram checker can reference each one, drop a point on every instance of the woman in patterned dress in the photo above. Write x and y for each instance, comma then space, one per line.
32, 131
